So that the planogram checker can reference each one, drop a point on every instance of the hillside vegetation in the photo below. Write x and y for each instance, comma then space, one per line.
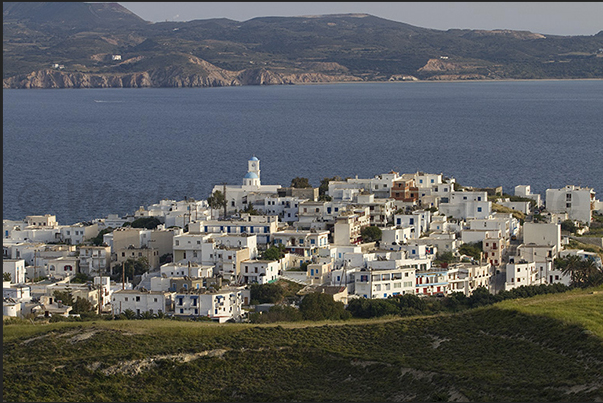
545, 348
82, 39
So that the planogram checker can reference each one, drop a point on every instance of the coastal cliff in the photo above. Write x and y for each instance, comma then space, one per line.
167, 77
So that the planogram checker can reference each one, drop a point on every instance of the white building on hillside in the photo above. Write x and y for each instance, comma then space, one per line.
526, 191
237, 196
16, 269
466, 205
578, 202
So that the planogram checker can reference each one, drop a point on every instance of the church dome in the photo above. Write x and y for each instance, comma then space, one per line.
254, 158
251, 175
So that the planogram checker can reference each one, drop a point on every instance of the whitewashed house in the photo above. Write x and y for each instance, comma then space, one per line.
577, 201
431, 282
384, 283
348, 227
140, 301
526, 191
521, 274
261, 226
94, 259
16, 269
466, 205
221, 306
256, 271
303, 243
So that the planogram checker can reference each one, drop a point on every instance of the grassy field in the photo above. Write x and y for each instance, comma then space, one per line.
545, 348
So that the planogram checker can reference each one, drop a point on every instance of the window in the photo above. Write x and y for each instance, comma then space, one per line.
568, 205
137, 299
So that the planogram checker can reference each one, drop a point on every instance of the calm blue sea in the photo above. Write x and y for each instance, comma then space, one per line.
85, 153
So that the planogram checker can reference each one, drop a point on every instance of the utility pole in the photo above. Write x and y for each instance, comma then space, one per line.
123, 276
100, 288
225, 199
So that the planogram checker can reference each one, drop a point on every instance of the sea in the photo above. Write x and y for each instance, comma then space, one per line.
82, 154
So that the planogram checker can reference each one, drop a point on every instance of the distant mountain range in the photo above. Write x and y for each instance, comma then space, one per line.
85, 45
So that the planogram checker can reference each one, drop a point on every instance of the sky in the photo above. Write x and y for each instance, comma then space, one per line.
552, 18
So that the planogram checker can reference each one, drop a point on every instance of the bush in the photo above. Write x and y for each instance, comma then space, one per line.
266, 293
371, 234
277, 313
320, 306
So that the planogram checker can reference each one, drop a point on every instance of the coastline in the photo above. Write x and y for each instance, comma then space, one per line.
327, 83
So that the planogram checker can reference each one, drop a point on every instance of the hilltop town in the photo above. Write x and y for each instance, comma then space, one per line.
394, 234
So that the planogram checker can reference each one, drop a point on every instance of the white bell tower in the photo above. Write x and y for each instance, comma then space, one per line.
253, 165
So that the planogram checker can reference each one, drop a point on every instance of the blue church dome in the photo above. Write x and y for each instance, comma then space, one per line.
251, 175
254, 159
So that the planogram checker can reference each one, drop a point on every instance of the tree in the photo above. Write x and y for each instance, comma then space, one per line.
6, 276
217, 200
370, 234
275, 252
300, 183
569, 226
251, 210
473, 249
98, 239
583, 272
65, 297
444, 257
82, 306
132, 267
320, 306
324, 185
146, 222
266, 293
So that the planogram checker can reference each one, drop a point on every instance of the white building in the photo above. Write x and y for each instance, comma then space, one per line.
222, 305
384, 283
140, 301
237, 196
348, 227
526, 191
393, 238
189, 269
467, 277
466, 205
303, 243
94, 259
259, 271
578, 202
542, 234
521, 274
62, 267
261, 226
16, 269
431, 282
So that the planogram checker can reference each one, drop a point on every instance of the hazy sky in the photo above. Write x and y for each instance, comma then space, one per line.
567, 18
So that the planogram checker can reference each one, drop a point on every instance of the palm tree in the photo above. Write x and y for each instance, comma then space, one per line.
583, 272
572, 266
